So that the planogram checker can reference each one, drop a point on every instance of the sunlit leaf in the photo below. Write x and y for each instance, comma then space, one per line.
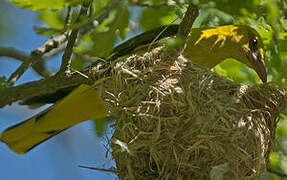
235, 7
98, 5
236, 71
172, 43
274, 160
104, 41
100, 125
51, 19
152, 18
282, 128
273, 14
46, 4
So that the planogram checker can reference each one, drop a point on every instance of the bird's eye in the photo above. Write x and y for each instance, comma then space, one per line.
253, 44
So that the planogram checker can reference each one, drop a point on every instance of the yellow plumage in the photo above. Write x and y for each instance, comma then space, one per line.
206, 47
82, 104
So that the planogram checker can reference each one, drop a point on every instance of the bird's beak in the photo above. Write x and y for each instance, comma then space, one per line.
258, 65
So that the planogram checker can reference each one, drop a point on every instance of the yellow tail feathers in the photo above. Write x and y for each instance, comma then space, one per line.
82, 104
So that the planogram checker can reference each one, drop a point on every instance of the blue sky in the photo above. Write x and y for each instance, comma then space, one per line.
59, 157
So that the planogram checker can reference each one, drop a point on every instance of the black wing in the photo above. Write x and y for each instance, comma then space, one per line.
143, 39
121, 50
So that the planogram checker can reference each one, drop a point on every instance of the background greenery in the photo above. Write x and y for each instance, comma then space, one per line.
268, 17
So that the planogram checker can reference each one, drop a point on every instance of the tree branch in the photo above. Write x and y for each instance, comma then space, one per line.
14, 53
68, 17
60, 80
187, 22
67, 56
100, 169
185, 26
19, 55
43, 86
27, 61
50, 48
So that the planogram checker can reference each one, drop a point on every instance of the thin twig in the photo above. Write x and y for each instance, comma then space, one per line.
48, 49
43, 86
19, 55
51, 47
50, 44
27, 62
99, 169
67, 56
14, 53
68, 17
19, 71
36, 57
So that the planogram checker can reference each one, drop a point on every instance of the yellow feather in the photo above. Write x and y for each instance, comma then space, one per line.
82, 104
206, 47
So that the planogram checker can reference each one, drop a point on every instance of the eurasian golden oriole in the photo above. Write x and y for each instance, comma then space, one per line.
206, 47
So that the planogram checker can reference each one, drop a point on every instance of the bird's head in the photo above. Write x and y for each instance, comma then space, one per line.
250, 49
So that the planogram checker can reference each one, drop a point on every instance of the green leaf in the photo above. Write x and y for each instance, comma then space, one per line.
236, 71
85, 44
117, 26
98, 5
46, 4
2, 82
152, 18
78, 63
100, 125
171, 43
274, 160
282, 127
283, 144
180, 11
53, 22
52, 19
272, 9
282, 43
234, 8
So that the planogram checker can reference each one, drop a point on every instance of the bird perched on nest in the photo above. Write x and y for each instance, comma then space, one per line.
205, 47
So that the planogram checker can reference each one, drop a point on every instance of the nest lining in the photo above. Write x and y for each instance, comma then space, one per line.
181, 121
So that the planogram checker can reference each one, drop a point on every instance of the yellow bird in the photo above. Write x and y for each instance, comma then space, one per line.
206, 47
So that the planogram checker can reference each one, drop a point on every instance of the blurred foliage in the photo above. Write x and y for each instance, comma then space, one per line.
268, 17
152, 18
108, 32
46, 4
2, 82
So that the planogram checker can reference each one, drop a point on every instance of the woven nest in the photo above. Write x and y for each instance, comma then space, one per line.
175, 120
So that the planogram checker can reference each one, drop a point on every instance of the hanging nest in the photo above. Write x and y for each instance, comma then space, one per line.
175, 120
